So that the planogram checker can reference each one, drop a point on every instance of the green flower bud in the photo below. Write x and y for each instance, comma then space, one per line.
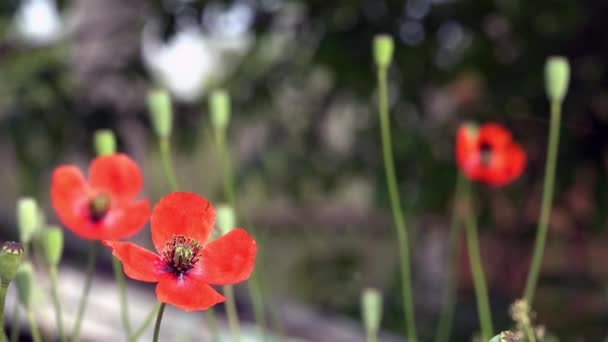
159, 105
371, 307
219, 107
28, 218
557, 77
225, 218
10, 259
105, 142
383, 50
25, 283
52, 244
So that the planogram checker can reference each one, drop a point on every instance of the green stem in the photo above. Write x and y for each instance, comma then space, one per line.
159, 318
391, 182
546, 202
481, 291
3, 289
372, 336
165, 152
33, 326
56, 302
85, 291
122, 294
137, 334
212, 324
233, 318
444, 327
255, 292
530, 333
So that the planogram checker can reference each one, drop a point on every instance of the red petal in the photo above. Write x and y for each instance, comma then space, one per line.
117, 175
187, 293
227, 260
182, 213
138, 263
495, 135
467, 147
123, 221
70, 197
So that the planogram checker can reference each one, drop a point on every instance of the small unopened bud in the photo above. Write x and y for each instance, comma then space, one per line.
383, 50
25, 283
161, 113
105, 142
10, 259
52, 244
521, 312
557, 77
371, 307
219, 108
28, 219
225, 218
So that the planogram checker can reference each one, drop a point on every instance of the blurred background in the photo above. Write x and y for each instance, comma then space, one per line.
304, 136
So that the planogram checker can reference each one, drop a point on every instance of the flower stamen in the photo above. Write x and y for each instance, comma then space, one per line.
99, 207
181, 254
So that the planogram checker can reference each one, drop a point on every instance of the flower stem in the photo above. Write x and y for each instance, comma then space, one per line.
371, 336
546, 202
3, 289
530, 333
15, 331
481, 291
145, 323
401, 228
85, 291
33, 326
444, 327
165, 152
212, 324
122, 294
159, 318
233, 318
56, 302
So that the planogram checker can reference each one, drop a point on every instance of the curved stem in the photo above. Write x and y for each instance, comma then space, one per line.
233, 318
547, 198
33, 326
401, 229
159, 318
122, 294
85, 291
479, 282
165, 152
145, 323
3, 289
56, 302
444, 327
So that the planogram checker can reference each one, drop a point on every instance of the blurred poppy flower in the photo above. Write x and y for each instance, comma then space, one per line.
185, 266
487, 154
104, 207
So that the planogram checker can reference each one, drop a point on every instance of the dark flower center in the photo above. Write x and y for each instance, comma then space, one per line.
181, 254
485, 150
99, 207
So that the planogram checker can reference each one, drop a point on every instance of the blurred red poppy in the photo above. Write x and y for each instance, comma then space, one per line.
104, 207
487, 154
186, 264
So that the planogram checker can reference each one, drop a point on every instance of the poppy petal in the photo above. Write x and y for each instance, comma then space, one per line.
495, 135
138, 263
124, 221
117, 175
187, 293
70, 196
181, 213
227, 260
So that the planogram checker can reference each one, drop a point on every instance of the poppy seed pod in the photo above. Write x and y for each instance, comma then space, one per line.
383, 50
219, 107
105, 142
371, 308
161, 113
25, 283
11, 254
557, 77
28, 218
52, 243
225, 218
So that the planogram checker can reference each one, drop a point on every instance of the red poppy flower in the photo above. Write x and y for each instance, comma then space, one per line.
104, 207
488, 154
186, 265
